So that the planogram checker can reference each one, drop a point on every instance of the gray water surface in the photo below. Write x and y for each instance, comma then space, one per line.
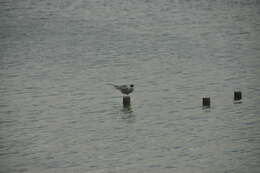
57, 113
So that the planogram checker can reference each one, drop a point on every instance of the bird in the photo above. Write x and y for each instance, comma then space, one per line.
124, 89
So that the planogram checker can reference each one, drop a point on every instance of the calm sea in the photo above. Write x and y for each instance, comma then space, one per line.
58, 114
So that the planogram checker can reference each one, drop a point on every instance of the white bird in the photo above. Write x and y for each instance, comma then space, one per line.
125, 89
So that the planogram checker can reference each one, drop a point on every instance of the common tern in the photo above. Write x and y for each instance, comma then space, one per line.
125, 89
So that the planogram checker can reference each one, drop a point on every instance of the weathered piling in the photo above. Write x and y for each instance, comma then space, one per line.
206, 101
126, 101
237, 95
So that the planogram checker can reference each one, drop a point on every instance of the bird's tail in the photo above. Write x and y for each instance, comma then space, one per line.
116, 86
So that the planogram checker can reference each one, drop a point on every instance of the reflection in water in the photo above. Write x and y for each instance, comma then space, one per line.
206, 108
128, 114
238, 102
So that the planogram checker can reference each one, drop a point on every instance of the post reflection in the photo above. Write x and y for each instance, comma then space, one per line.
127, 114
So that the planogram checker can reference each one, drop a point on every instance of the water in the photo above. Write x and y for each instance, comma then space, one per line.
57, 113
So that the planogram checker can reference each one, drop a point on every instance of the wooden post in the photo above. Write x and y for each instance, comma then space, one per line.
237, 95
126, 101
206, 101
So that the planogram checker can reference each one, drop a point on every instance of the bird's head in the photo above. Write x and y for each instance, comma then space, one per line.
131, 85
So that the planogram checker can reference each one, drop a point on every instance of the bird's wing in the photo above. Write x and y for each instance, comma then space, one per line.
120, 87
112, 85
116, 86
123, 86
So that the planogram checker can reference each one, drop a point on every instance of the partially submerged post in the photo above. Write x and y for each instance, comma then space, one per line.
126, 101
237, 95
206, 101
